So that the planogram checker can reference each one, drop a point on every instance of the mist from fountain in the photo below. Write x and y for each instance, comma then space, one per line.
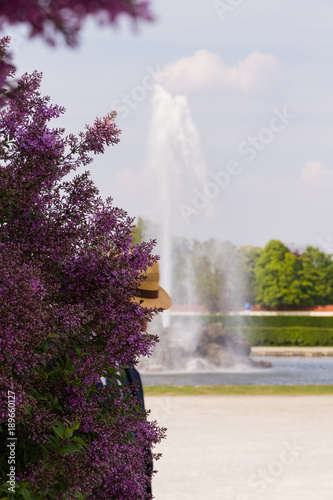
175, 168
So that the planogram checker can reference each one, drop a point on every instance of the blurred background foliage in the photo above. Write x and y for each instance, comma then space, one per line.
222, 277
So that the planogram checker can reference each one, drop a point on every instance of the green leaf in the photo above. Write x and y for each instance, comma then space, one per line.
54, 442
77, 424
28, 495
59, 432
27, 409
69, 448
79, 496
41, 397
80, 441
45, 451
63, 486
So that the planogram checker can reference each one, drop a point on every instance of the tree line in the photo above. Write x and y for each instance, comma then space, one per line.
223, 277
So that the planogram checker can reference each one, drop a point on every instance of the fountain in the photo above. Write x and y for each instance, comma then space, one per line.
175, 168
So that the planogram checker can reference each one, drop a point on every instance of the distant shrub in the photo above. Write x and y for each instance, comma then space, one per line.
293, 336
272, 330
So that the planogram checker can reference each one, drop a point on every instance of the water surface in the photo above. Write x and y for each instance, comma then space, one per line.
285, 371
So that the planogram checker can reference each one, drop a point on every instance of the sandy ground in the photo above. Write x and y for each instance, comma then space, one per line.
244, 447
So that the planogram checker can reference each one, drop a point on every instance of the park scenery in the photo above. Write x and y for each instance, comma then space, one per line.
166, 251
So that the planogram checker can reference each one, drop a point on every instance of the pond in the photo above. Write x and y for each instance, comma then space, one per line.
285, 371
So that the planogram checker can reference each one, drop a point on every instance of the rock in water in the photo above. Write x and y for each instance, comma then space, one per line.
222, 348
218, 356
261, 363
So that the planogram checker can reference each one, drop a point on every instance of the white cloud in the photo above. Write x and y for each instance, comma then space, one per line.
206, 70
316, 174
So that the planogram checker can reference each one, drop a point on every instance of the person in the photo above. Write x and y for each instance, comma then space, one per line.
150, 294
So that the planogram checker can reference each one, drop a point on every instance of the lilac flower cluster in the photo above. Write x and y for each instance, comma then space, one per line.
7, 69
68, 274
48, 17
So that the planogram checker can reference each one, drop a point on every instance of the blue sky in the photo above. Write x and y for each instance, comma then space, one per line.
257, 77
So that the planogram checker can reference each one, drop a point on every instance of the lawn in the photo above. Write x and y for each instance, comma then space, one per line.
241, 390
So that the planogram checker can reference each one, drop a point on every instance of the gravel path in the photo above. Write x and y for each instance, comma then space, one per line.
244, 447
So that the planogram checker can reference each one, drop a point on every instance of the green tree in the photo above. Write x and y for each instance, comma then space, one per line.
285, 278
292, 289
248, 257
182, 271
138, 235
317, 275
269, 271
209, 284
217, 275
207, 274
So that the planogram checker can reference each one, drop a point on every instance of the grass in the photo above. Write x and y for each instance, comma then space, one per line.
239, 390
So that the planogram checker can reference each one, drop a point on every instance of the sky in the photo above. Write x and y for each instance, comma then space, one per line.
240, 90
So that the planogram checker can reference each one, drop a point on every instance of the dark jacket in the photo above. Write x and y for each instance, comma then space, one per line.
133, 379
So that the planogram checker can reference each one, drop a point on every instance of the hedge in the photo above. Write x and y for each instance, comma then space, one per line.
272, 321
297, 336
271, 330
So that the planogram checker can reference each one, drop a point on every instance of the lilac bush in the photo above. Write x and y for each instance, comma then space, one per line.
68, 274
46, 18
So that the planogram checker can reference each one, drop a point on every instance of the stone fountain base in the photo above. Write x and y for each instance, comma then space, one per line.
224, 349
215, 348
